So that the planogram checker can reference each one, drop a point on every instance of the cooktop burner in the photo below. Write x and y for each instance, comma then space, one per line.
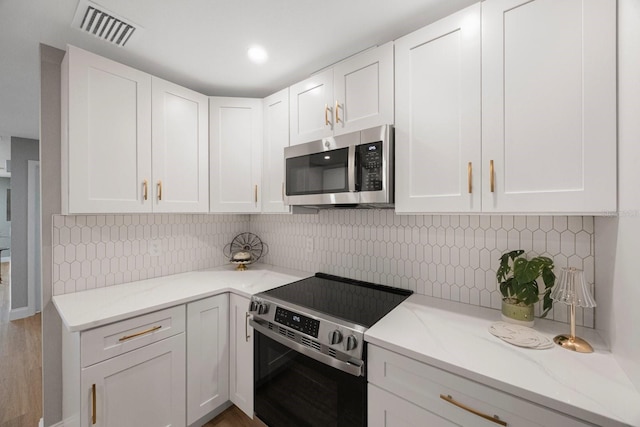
361, 303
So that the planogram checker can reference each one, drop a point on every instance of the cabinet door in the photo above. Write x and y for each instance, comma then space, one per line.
106, 144
241, 355
235, 154
311, 108
180, 149
276, 138
207, 356
144, 387
549, 105
388, 410
438, 116
363, 91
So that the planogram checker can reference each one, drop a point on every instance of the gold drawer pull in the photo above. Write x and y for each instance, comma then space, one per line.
494, 418
93, 404
492, 177
137, 334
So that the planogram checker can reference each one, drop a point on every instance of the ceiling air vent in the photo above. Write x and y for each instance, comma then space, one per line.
103, 24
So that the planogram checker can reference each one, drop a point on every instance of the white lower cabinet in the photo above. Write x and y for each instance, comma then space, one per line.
405, 392
241, 355
207, 356
144, 387
126, 374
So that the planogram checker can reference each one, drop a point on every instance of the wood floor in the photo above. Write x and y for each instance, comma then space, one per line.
20, 366
233, 417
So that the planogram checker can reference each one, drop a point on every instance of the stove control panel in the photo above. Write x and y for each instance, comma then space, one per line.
296, 321
338, 339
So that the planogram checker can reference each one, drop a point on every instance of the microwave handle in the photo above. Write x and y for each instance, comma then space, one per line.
351, 169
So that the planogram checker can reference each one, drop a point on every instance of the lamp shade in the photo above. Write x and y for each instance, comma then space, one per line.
572, 289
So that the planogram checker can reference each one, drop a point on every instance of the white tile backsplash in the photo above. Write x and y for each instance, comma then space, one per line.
452, 257
92, 251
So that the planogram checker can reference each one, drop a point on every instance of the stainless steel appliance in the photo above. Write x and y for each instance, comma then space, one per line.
309, 350
351, 170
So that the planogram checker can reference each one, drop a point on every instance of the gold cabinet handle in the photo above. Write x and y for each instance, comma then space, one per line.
137, 334
337, 116
145, 189
159, 190
326, 115
93, 404
255, 194
492, 178
246, 326
283, 191
494, 419
469, 177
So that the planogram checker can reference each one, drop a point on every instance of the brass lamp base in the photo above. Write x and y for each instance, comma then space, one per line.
573, 343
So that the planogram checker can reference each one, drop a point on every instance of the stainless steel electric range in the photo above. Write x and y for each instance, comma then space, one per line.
309, 350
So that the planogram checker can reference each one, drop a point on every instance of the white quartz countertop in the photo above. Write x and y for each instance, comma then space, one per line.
455, 338
89, 309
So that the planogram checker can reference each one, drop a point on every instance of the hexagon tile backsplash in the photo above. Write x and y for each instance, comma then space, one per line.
102, 250
452, 257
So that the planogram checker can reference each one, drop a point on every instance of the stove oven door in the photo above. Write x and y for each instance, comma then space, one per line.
292, 389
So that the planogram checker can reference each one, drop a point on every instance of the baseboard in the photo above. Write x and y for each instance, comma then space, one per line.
60, 424
20, 313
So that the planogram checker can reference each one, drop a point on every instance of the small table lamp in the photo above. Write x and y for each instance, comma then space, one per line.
572, 289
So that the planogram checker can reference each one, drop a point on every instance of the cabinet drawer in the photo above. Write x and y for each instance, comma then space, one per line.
429, 387
111, 340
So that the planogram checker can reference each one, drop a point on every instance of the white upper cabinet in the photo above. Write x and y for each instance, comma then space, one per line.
310, 105
106, 135
549, 106
363, 90
438, 131
353, 95
276, 138
130, 142
180, 149
235, 143
530, 130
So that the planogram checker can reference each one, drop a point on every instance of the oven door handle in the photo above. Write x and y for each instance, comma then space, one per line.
350, 368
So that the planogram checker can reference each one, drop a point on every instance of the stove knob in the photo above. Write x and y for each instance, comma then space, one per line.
253, 306
335, 337
350, 343
263, 308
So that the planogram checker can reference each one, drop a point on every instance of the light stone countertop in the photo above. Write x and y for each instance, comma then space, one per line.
89, 309
455, 338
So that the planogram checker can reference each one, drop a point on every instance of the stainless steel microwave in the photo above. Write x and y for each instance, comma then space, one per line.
351, 170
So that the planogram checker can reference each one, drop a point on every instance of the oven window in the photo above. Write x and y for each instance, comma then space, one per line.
293, 390
319, 173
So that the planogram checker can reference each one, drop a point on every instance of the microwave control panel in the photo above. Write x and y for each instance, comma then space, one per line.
370, 166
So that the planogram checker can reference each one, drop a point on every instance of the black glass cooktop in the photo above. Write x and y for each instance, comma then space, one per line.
359, 302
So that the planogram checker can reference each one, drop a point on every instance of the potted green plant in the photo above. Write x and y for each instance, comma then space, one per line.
518, 282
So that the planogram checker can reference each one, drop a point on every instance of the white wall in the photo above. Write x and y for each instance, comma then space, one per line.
618, 239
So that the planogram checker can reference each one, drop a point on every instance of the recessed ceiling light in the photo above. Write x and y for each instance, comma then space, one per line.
257, 54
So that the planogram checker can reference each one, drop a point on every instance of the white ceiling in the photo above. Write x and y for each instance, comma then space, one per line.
202, 44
